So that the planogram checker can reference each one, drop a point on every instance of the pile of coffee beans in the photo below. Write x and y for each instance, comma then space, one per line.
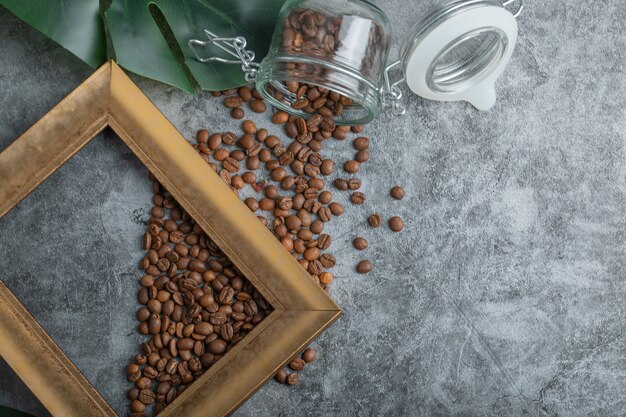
195, 306
293, 199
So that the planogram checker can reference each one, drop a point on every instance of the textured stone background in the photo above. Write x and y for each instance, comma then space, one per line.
504, 296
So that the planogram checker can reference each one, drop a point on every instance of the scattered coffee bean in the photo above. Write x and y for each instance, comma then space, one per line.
326, 278
233, 102
361, 143
351, 167
396, 224
297, 364
293, 378
341, 184
237, 113
281, 376
397, 192
257, 106
360, 243
280, 117
354, 184
245, 93
358, 197
362, 156
364, 267
202, 136
309, 355
375, 220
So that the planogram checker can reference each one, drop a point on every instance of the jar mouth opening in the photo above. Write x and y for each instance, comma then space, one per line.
437, 16
335, 77
466, 60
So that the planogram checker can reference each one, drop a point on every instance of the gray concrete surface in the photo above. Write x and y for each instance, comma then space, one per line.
504, 295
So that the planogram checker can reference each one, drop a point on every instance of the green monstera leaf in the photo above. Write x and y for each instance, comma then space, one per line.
150, 37
74, 24
140, 47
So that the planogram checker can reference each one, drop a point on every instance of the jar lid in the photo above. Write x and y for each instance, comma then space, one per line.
458, 52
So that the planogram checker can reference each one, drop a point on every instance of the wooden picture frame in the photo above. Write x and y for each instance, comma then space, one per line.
301, 310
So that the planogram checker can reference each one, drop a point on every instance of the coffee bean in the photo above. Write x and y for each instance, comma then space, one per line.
364, 267
327, 260
202, 136
361, 143
354, 184
232, 102
326, 278
327, 167
293, 378
358, 197
137, 406
147, 241
237, 113
293, 222
150, 372
261, 135
325, 214
249, 127
360, 243
300, 104
297, 364
258, 106
147, 396
397, 192
245, 93
227, 331
341, 184
280, 117
154, 324
281, 376
185, 344
396, 224
375, 220
311, 254
317, 226
309, 355
323, 242
217, 347
229, 138
336, 208
291, 130
351, 167
133, 393
362, 156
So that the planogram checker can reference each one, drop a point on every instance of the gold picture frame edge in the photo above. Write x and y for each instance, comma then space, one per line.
24, 339
110, 98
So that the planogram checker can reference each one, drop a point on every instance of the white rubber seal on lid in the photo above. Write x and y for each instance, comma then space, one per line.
466, 81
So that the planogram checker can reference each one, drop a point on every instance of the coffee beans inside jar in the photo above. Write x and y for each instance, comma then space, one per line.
327, 48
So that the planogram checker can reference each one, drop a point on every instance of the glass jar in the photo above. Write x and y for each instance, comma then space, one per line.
456, 52
338, 45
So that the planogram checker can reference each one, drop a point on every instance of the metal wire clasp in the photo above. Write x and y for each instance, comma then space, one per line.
520, 8
391, 93
233, 46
